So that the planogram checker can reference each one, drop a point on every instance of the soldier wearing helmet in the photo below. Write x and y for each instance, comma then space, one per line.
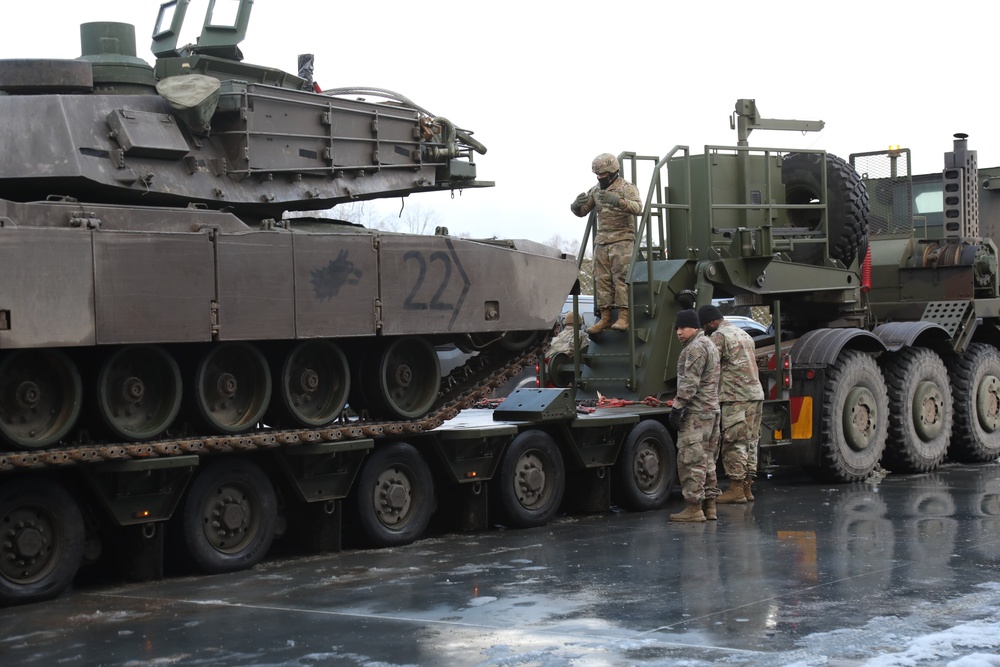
563, 341
617, 202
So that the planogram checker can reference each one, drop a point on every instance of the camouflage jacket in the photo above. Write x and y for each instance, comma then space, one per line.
698, 376
563, 342
737, 358
618, 223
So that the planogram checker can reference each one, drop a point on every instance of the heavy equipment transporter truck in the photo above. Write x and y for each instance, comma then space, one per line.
882, 286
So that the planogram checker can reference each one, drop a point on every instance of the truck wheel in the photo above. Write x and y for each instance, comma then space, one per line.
229, 517
855, 413
975, 380
532, 480
847, 205
41, 540
646, 468
920, 410
394, 495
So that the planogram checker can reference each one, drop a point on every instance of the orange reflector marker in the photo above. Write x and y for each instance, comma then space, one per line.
802, 417
142, 514
470, 474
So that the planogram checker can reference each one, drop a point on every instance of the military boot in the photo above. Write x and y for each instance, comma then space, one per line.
692, 514
602, 323
708, 507
622, 323
747, 492
734, 494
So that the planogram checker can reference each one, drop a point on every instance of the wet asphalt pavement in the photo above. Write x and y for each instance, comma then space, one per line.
899, 571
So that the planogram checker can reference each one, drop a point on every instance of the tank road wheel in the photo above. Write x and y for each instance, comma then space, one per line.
532, 480
313, 383
975, 381
646, 468
232, 387
40, 397
41, 540
854, 418
395, 496
403, 378
920, 410
847, 205
229, 517
139, 392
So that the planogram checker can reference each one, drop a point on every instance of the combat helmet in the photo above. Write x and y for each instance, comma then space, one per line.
605, 163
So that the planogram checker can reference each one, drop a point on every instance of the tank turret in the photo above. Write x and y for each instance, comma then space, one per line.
118, 131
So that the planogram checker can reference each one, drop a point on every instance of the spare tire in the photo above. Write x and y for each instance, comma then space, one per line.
847, 205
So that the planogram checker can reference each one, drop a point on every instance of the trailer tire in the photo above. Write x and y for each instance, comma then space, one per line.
646, 469
920, 410
229, 516
847, 208
394, 496
854, 418
532, 480
975, 380
43, 539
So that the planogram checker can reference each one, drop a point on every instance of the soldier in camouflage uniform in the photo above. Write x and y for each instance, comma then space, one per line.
695, 415
619, 203
563, 341
741, 397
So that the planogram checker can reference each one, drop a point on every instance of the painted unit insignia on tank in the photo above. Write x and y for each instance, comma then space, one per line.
328, 280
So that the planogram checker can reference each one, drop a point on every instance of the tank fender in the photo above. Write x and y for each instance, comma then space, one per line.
822, 346
897, 335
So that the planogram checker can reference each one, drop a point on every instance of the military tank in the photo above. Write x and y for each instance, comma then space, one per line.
165, 273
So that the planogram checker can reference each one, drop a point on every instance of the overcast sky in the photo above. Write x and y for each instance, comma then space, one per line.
548, 85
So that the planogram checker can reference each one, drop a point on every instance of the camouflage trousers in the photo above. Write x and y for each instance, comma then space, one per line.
697, 451
740, 434
611, 269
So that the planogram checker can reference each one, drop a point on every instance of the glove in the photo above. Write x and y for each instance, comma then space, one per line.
580, 201
675, 417
605, 198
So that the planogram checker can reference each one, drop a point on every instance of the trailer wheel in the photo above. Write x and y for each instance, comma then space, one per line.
41, 541
847, 205
229, 516
647, 467
920, 410
854, 418
394, 495
532, 480
975, 379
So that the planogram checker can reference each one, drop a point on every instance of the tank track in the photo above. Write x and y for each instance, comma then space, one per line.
461, 389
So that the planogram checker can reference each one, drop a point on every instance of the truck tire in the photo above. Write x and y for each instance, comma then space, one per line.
854, 424
532, 480
229, 516
847, 205
394, 496
42, 545
920, 410
975, 381
646, 469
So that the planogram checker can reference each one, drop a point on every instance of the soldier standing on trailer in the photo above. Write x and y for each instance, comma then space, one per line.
741, 398
619, 203
695, 416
